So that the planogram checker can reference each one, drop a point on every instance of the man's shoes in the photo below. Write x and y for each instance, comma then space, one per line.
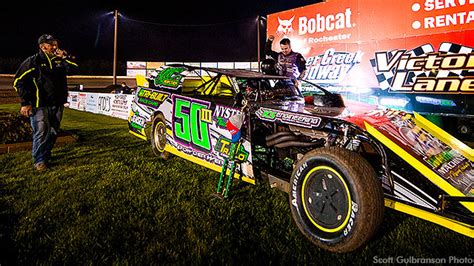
41, 167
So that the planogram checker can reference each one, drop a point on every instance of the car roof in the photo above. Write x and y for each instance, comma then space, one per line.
238, 73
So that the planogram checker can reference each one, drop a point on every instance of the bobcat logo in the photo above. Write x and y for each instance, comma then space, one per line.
285, 26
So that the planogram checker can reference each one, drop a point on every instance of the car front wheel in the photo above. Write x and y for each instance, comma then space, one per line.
336, 199
158, 136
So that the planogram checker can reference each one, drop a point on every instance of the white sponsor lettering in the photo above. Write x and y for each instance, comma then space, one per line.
295, 183
431, 5
320, 23
445, 20
337, 37
406, 63
332, 66
350, 224
225, 112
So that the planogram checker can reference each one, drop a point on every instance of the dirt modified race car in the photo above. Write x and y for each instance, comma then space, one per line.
340, 166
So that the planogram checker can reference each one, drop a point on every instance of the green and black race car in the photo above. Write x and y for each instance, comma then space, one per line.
340, 165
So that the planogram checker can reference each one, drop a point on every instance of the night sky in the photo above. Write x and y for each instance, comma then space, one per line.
148, 30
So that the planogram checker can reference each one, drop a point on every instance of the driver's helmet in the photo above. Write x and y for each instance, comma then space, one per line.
268, 67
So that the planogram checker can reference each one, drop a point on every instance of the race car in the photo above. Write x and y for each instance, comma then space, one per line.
340, 165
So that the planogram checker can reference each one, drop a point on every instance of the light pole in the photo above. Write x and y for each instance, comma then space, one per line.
258, 41
115, 47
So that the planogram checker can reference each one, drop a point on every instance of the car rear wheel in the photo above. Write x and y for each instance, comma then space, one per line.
158, 136
336, 199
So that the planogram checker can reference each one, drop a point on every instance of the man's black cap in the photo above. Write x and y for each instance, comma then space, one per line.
46, 38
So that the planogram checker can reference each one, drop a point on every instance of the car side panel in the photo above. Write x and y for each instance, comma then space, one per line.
196, 129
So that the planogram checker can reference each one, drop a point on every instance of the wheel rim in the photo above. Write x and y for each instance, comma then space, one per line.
160, 136
326, 199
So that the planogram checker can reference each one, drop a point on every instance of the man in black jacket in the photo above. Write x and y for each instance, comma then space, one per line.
41, 83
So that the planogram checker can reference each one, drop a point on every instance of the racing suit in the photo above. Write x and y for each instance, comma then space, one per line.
292, 65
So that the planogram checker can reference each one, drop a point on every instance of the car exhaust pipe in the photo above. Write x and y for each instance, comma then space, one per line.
279, 134
278, 140
297, 144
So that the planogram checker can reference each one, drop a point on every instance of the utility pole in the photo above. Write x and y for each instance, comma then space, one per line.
115, 46
258, 42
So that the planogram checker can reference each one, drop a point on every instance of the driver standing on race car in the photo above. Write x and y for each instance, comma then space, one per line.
289, 63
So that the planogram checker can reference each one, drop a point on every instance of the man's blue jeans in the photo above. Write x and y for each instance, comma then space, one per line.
45, 122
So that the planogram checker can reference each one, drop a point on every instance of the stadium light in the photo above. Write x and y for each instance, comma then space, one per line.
115, 47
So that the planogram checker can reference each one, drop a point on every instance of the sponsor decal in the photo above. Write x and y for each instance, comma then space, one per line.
91, 103
198, 154
332, 66
422, 70
223, 148
81, 104
442, 159
285, 26
170, 78
350, 223
73, 98
151, 98
120, 105
310, 25
136, 64
222, 114
294, 189
191, 121
288, 117
443, 20
104, 104
136, 121
320, 23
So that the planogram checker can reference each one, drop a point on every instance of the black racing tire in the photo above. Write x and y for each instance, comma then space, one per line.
336, 199
158, 136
